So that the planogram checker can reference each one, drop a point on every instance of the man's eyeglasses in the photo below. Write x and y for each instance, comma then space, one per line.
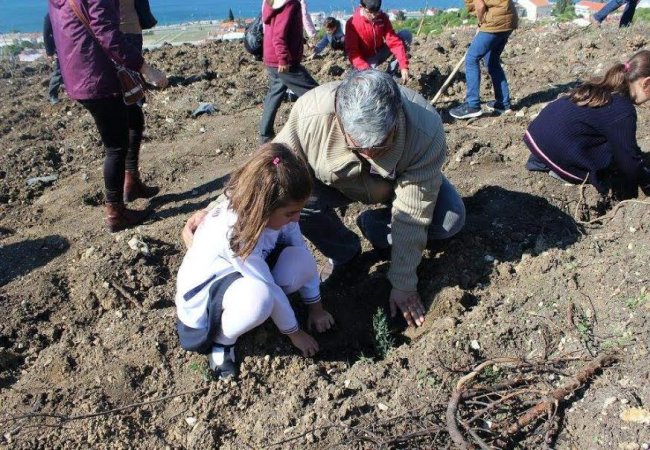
371, 152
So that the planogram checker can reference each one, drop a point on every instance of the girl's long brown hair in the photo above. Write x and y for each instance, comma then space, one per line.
598, 91
273, 177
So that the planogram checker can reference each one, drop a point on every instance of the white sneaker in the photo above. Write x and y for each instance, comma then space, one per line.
222, 361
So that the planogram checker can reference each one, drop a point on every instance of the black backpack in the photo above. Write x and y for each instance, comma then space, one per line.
254, 38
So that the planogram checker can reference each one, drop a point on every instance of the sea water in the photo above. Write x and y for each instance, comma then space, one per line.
27, 15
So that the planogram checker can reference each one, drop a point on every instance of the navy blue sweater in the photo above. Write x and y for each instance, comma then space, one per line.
575, 141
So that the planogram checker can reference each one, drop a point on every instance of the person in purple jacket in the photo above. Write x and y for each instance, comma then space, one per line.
90, 77
590, 134
283, 51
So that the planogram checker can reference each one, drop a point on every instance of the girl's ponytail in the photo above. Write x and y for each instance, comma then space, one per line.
598, 92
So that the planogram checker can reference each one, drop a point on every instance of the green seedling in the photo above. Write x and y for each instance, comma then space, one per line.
426, 378
363, 359
202, 370
383, 340
634, 302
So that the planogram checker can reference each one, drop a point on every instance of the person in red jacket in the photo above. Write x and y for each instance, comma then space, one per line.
283, 50
370, 39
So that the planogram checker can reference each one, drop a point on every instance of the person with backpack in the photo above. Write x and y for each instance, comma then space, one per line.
283, 52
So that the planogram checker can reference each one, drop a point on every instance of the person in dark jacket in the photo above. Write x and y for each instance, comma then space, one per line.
50, 52
87, 59
283, 51
333, 37
590, 135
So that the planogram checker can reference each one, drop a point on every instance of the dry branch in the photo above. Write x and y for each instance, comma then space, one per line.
66, 418
558, 395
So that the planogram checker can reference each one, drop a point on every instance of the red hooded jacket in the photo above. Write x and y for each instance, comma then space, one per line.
364, 38
283, 38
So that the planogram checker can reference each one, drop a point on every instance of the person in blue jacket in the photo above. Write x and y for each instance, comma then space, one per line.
333, 37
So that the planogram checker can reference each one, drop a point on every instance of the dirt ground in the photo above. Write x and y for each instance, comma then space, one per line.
88, 322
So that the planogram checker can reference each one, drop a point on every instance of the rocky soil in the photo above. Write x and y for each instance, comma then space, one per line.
88, 317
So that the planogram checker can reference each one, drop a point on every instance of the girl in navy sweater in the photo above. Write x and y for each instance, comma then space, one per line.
590, 134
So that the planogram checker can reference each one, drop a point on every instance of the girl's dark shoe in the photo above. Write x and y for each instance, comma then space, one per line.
134, 188
118, 217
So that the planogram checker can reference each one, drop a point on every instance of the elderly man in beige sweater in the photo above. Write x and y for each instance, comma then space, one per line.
370, 141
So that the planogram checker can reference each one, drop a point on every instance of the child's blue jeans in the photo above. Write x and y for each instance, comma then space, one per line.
487, 46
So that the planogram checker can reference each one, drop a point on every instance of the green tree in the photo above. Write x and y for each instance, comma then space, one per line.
231, 16
399, 15
561, 6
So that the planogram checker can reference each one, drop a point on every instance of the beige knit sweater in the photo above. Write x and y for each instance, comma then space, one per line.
411, 171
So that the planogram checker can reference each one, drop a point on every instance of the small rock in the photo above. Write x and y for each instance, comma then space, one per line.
382, 407
474, 344
202, 130
609, 401
139, 245
191, 421
628, 446
219, 151
636, 415
488, 258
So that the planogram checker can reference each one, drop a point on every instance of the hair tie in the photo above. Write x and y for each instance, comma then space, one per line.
276, 160
626, 67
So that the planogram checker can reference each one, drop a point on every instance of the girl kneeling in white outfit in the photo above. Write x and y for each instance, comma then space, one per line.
246, 256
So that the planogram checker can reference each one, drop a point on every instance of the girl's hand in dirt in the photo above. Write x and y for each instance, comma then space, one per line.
191, 225
283, 68
304, 342
409, 304
318, 318
154, 76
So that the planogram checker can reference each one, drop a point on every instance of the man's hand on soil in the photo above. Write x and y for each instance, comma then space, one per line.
191, 225
409, 304
318, 318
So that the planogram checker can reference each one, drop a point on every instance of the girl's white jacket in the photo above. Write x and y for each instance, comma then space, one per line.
210, 259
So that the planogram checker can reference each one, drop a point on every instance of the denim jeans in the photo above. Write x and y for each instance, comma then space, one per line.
384, 52
321, 224
297, 79
613, 5
488, 47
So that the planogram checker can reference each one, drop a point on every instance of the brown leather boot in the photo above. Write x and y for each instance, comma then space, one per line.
134, 187
118, 217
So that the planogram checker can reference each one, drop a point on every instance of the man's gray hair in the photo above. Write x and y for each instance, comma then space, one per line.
367, 104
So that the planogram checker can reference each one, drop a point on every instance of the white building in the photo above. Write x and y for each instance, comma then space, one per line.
534, 9
587, 9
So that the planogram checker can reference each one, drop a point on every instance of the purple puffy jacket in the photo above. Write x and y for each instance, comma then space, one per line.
87, 71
